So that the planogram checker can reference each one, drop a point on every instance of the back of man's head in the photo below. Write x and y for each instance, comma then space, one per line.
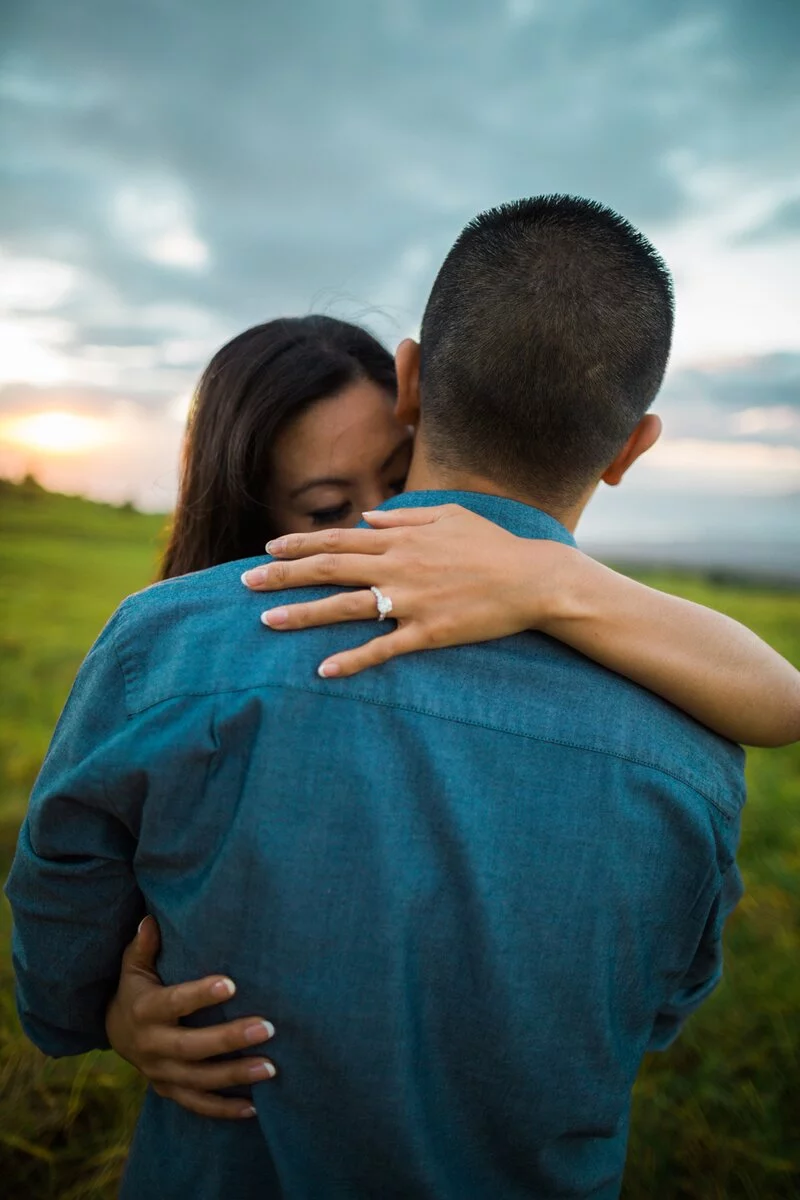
544, 342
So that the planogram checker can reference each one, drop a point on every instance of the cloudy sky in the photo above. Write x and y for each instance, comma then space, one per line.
175, 170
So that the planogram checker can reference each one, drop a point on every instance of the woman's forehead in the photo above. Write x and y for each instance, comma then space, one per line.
342, 434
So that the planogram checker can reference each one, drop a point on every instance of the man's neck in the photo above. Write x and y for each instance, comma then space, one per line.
424, 476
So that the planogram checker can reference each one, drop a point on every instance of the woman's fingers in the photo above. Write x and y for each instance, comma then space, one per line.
143, 950
350, 541
158, 1004
371, 654
329, 568
192, 1045
206, 1104
349, 606
394, 518
328, 541
213, 1077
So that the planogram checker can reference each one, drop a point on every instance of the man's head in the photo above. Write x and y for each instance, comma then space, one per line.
544, 342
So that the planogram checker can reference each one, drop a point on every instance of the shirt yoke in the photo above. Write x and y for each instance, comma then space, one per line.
201, 635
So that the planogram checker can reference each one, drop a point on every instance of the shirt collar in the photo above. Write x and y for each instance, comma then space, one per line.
518, 518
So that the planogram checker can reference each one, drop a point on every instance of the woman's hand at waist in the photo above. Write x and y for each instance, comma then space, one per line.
143, 1026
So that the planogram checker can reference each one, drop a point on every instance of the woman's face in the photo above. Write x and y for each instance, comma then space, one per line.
343, 456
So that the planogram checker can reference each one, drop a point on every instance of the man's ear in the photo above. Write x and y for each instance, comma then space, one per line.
407, 364
644, 436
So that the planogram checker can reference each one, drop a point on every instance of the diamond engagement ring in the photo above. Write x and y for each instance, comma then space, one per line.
383, 602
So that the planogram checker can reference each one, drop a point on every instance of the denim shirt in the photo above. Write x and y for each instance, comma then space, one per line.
470, 888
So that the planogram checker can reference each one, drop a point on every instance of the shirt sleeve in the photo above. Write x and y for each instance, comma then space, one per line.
72, 890
706, 970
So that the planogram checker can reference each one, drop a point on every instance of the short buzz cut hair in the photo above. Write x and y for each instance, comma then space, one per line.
544, 342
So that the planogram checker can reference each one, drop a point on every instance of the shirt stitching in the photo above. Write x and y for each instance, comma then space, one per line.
121, 667
456, 720
126, 666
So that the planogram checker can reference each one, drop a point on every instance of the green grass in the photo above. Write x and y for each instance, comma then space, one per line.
716, 1118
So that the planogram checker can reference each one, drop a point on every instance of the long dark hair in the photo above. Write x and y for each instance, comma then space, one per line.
251, 388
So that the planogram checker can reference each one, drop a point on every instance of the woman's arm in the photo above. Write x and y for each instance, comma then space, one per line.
455, 577
143, 1026
709, 665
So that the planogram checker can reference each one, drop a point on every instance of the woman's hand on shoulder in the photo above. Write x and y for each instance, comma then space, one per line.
143, 1026
452, 577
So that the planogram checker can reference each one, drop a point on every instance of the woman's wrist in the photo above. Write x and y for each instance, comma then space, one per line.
563, 581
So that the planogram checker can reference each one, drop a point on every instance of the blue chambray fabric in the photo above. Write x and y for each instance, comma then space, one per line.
470, 888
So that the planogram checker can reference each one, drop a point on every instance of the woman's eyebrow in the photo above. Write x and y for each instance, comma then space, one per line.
331, 481
328, 481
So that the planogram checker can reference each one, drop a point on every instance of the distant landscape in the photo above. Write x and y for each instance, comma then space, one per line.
737, 535
714, 1119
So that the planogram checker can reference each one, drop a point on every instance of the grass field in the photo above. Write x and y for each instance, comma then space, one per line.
716, 1118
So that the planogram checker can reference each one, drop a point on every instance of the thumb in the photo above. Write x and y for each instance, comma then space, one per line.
143, 951
391, 518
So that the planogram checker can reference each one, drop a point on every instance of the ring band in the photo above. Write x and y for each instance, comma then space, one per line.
384, 603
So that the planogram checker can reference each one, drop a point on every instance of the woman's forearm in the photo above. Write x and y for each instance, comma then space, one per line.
715, 669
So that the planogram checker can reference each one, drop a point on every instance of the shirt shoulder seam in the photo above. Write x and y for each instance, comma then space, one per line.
121, 616
362, 699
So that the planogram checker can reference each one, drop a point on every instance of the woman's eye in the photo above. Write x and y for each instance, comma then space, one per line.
329, 516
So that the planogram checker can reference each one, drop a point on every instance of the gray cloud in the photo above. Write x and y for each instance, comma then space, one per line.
783, 222
772, 379
757, 400
316, 143
325, 156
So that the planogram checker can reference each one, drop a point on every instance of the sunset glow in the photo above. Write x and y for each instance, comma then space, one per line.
56, 432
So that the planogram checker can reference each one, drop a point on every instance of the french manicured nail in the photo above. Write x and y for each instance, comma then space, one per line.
275, 617
263, 1070
254, 576
259, 1031
277, 546
328, 669
223, 989
247, 1112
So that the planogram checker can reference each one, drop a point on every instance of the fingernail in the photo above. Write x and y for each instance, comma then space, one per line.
253, 576
277, 546
248, 1112
369, 514
259, 1031
139, 926
275, 617
328, 669
262, 1070
223, 989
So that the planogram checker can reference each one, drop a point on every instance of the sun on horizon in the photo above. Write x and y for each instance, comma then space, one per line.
56, 432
